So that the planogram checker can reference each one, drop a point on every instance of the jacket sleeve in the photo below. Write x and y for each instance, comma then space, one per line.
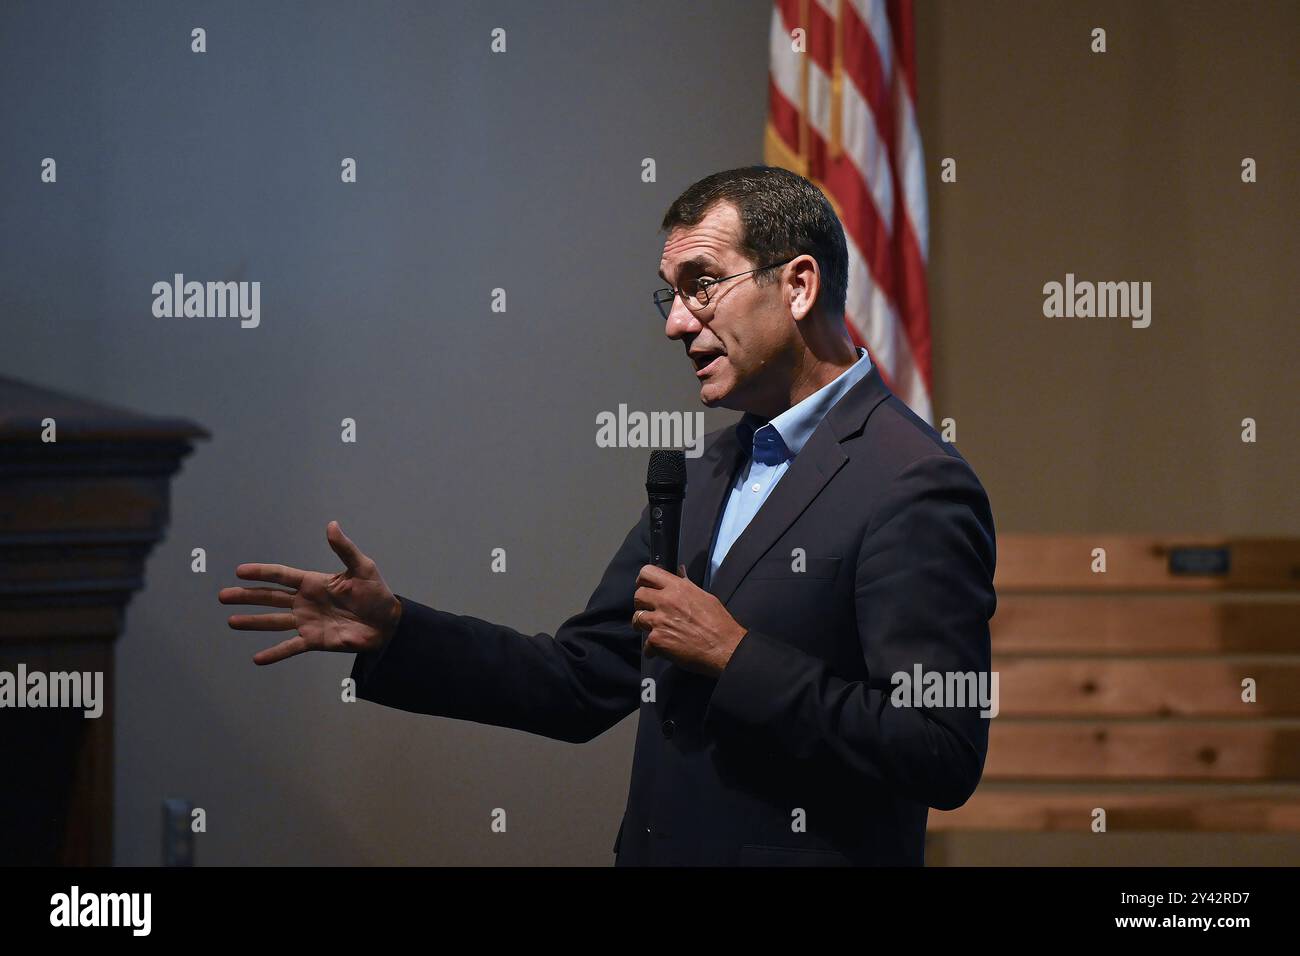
923, 596
573, 686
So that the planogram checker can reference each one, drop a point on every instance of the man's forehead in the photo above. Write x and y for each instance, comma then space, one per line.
708, 242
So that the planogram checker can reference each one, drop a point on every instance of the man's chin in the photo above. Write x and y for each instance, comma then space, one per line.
715, 396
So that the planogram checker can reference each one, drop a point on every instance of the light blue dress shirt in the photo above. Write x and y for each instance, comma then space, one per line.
774, 445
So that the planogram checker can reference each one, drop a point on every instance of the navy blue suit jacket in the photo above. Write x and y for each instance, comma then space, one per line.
794, 755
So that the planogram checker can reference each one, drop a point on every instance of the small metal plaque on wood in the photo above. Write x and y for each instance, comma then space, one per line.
1205, 562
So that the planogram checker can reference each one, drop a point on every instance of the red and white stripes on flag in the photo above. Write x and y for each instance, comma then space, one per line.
842, 113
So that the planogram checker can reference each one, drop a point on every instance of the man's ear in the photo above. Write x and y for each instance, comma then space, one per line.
805, 282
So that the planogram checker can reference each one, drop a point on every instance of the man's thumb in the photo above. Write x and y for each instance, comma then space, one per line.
342, 545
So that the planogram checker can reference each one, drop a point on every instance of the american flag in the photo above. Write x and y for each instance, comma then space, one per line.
842, 113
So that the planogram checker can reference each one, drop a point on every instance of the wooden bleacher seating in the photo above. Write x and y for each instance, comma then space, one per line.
1123, 690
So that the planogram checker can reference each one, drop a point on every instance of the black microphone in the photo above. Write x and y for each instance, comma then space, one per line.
665, 483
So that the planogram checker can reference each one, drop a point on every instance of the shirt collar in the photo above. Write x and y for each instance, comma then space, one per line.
785, 435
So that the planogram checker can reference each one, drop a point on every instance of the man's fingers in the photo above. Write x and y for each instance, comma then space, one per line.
645, 598
348, 552
271, 573
653, 576
262, 622
285, 649
265, 597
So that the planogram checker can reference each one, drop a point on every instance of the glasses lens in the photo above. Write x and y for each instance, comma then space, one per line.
699, 292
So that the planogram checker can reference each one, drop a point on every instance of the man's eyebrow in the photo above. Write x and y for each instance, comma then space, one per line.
700, 262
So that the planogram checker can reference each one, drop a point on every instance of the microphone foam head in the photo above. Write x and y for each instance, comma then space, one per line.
667, 470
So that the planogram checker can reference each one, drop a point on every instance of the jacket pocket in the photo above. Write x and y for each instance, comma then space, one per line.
753, 854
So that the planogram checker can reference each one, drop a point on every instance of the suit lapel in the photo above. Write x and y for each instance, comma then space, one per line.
705, 501
815, 465
821, 457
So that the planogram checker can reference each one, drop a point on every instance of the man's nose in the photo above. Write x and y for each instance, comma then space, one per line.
681, 320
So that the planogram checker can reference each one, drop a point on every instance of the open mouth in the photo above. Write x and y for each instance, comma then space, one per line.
706, 364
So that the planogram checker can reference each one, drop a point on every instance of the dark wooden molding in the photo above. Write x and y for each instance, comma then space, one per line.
78, 517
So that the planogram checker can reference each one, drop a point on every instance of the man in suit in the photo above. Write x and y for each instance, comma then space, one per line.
831, 541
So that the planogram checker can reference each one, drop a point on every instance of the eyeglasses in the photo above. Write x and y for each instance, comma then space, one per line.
696, 292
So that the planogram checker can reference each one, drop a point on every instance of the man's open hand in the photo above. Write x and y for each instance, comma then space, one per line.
683, 622
352, 610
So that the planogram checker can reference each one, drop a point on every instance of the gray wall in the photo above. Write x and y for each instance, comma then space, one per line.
476, 429
522, 171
